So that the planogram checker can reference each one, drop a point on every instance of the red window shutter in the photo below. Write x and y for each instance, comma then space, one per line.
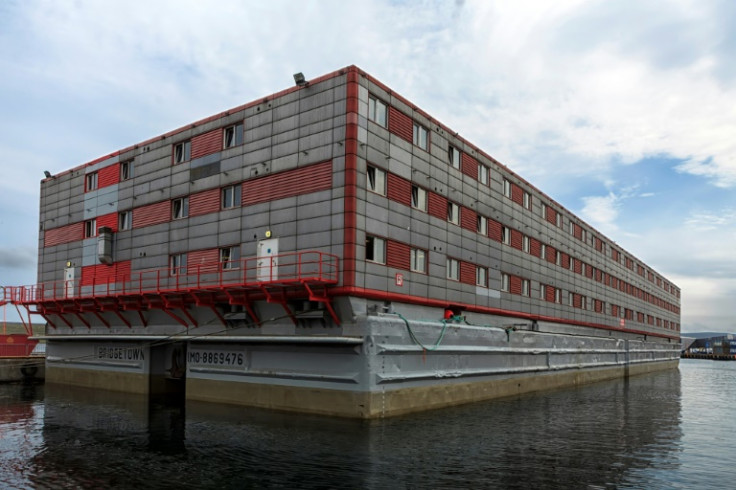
203, 260
152, 214
535, 247
207, 143
467, 272
469, 165
108, 175
399, 189
105, 274
400, 124
517, 194
514, 284
437, 206
495, 230
589, 271
551, 254
565, 259
110, 220
304, 180
549, 294
204, 202
398, 255
577, 266
598, 306
468, 219
551, 215
516, 239
577, 300
63, 234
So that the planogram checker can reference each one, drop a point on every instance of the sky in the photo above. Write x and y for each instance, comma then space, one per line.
622, 111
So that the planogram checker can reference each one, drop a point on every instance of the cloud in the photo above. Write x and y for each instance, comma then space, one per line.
17, 258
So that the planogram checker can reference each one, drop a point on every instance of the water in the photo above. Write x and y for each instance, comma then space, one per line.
674, 429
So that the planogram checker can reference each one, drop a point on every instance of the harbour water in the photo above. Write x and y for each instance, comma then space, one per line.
672, 429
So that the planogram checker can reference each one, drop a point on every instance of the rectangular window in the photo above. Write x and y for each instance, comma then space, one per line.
453, 269
583, 302
178, 264
421, 138
507, 188
525, 243
558, 258
418, 198
483, 174
453, 154
126, 170
376, 180
527, 200
377, 111
180, 208
232, 136
230, 196
229, 257
558, 220
453, 213
375, 249
90, 228
505, 235
418, 260
481, 276
570, 299
525, 287
572, 228
543, 251
182, 151
482, 227
125, 220
505, 282
90, 182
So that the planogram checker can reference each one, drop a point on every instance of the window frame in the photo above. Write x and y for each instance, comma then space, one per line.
90, 228
526, 244
126, 170
420, 201
481, 276
377, 107
229, 257
527, 200
420, 136
177, 264
91, 181
526, 287
182, 152
379, 178
233, 130
415, 259
454, 157
505, 283
452, 269
375, 244
125, 220
505, 235
233, 191
507, 188
484, 174
481, 226
180, 204
453, 213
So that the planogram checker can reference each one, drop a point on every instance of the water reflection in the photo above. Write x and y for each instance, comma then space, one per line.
613, 434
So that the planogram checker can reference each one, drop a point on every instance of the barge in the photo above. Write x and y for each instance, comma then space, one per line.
332, 249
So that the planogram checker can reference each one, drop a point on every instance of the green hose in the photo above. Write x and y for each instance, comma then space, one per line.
416, 340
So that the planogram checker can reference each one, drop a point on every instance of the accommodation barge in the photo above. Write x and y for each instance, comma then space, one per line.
333, 249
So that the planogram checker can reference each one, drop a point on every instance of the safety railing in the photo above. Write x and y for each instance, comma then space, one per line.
310, 267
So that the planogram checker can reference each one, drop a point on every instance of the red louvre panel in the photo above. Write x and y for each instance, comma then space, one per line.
614, 310
467, 272
577, 231
152, 214
398, 255
577, 300
551, 215
598, 306
207, 143
640, 317
549, 293
551, 254
109, 175
598, 275
614, 254
197, 258
63, 234
516, 239
514, 284
577, 266
565, 260
588, 271
399, 189
400, 124
535, 247
468, 219
204, 202
469, 166
598, 244
305, 180
517, 194
109, 220
105, 274
495, 230
437, 206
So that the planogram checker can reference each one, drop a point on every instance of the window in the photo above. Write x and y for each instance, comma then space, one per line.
505, 235
453, 213
570, 299
376, 180
543, 250
558, 296
507, 188
230, 196
180, 208
418, 198
125, 220
481, 276
483, 173
90, 182
482, 226
182, 151
525, 287
421, 138
229, 257
558, 258
126, 170
178, 264
453, 154
90, 228
525, 243
377, 111
375, 249
453, 269
505, 282
572, 228
527, 200
232, 136
418, 260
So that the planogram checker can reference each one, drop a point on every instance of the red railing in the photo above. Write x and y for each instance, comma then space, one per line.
291, 269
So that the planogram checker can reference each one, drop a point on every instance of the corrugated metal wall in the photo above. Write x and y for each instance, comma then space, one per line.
317, 177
